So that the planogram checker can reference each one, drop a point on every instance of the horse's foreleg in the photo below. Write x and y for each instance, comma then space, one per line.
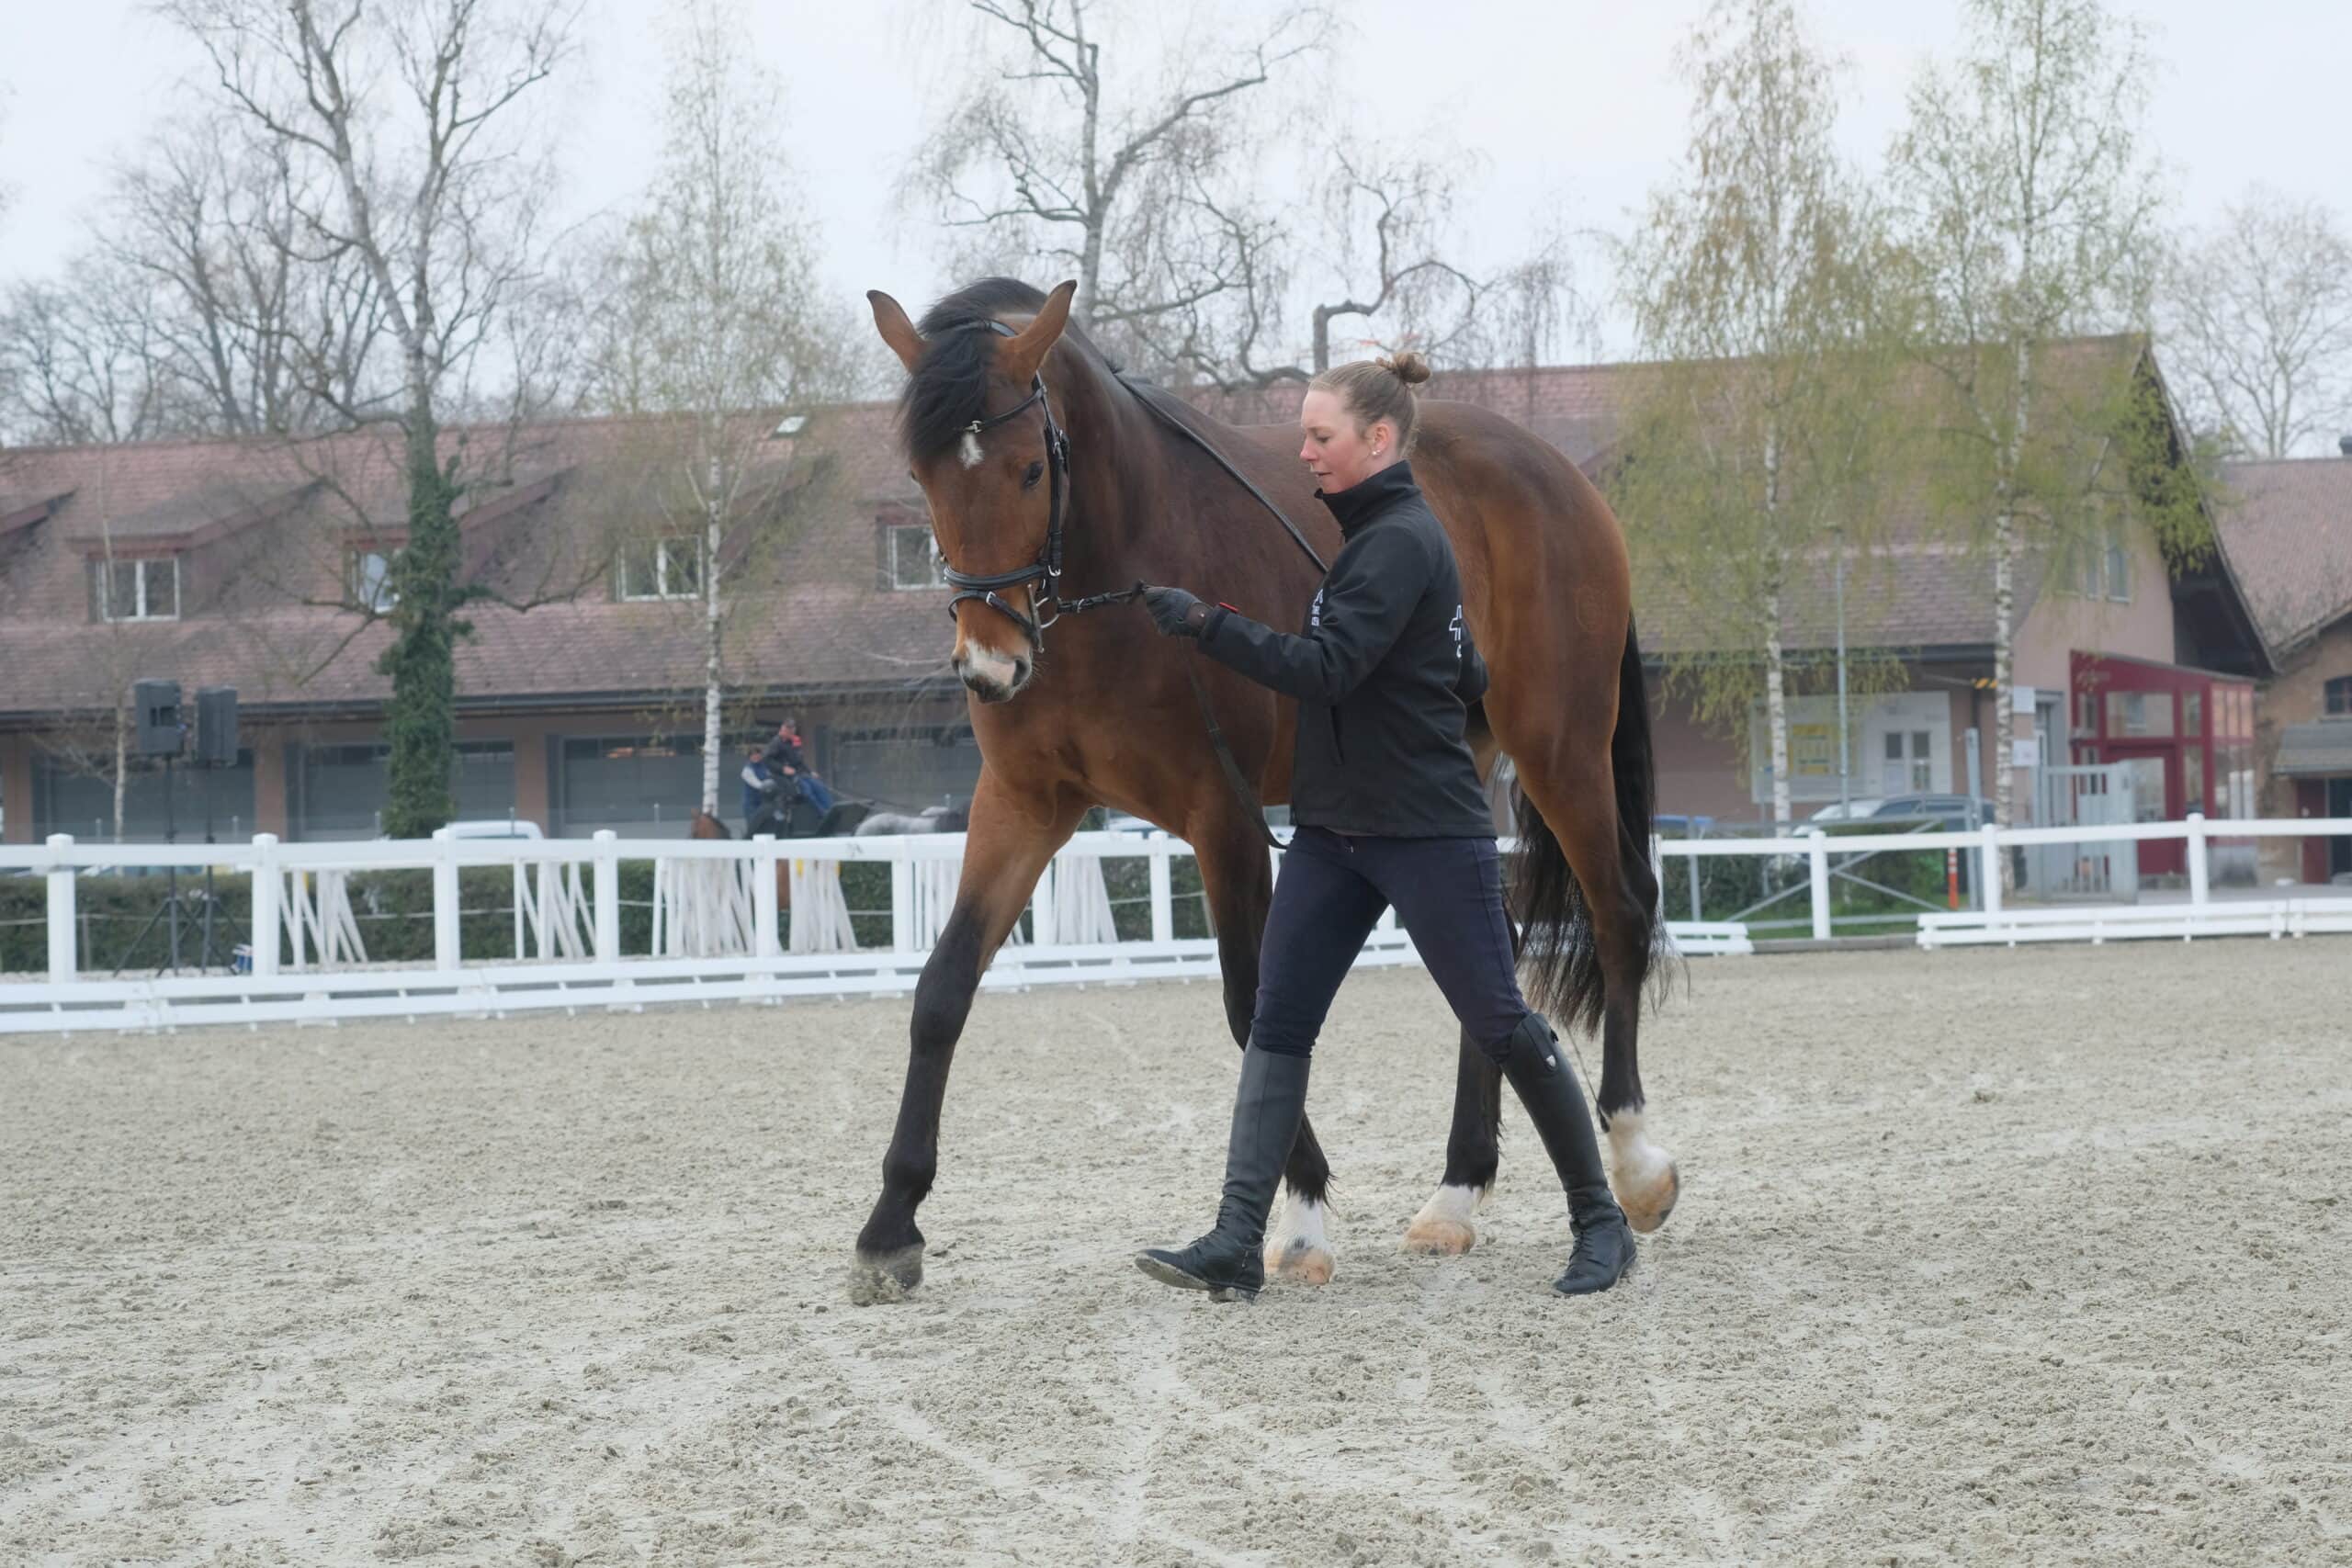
1238, 878
1446, 1226
1003, 859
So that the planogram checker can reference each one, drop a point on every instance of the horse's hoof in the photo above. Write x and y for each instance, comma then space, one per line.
886, 1276
1440, 1238
1645, 1179
1647, 1210
1297, 1248
1301, 1262
1443, 1228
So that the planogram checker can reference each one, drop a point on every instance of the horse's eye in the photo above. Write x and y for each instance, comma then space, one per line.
1029, 480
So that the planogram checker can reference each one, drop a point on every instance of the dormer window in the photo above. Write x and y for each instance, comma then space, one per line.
144, 589
662, 568
371, 581
912, 558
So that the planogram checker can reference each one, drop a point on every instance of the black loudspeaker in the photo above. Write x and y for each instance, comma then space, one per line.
216, 726
157, 718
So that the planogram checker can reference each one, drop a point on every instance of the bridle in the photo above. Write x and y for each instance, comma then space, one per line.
1046, 571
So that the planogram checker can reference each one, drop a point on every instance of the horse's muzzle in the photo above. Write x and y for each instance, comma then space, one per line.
991, 676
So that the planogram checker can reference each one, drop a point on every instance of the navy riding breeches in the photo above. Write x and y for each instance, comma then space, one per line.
1332, 891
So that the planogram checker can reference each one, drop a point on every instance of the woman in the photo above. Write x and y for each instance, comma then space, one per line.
1389, 811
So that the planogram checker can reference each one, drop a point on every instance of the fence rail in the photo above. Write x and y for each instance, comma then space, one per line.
726, 925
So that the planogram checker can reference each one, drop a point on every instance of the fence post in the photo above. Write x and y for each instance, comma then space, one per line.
61, 921
764, 940
1041, 902
1988, 869
2198, 872
1818, 854
525, 892
264, 919
902, 899
445, 900
1163, 894
608, 895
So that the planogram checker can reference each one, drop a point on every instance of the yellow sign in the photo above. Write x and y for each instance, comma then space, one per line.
1813, 750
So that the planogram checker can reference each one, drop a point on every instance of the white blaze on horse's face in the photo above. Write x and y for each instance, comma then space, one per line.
984, 519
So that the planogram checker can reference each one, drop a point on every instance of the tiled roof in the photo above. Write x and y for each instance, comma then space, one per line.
2286, 525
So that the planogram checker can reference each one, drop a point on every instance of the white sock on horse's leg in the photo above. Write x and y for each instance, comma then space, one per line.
1446, 1226
1296, 1246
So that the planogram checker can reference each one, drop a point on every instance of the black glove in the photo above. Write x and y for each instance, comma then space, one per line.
1173, 611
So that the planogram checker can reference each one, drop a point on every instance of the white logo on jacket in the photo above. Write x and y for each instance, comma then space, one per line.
1315, 611
1455, 626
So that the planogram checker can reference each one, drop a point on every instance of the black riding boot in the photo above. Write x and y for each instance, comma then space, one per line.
1266, 1114
1603, 1253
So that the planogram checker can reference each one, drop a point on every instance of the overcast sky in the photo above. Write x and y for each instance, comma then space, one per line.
1574, 103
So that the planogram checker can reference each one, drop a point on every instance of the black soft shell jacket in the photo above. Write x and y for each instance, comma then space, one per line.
1384, 672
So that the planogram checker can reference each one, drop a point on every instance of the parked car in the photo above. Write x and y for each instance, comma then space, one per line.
1849, 811
496, 828
1676, 826
1957, 813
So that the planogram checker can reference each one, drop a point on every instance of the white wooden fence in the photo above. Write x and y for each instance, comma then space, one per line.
720, 931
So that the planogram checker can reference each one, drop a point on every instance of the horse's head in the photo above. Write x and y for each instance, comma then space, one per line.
977, 432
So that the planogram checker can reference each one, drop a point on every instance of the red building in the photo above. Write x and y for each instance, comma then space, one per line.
2188, 734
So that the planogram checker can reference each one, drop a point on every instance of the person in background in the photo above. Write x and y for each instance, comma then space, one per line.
786, 759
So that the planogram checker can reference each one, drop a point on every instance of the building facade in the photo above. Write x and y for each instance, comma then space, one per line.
2290, 524
264, 566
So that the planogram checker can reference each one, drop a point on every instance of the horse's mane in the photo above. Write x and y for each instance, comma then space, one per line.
949, 387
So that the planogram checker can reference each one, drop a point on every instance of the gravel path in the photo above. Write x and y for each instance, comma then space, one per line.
2032, 1257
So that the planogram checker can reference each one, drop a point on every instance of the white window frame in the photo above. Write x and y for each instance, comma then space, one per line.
935, 570
666, 549
2117, 558
141, 607
385, 595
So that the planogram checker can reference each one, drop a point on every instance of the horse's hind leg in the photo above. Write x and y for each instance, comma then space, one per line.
1239, 880
1446, 1226
1620, 899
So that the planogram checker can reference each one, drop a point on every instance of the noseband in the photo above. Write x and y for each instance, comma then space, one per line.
1044, 572
1046, 569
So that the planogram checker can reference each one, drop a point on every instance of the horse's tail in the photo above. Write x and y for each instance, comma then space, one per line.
1564, 966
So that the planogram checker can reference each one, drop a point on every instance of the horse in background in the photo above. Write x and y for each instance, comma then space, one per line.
930, 820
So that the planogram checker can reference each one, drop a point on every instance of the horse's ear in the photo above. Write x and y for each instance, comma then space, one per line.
1029, 347
890, 321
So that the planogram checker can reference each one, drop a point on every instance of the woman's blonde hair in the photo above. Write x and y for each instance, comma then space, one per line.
1375, 389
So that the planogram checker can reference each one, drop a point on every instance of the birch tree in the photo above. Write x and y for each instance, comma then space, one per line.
1749, 457
2029, 213
717, 331
2258, 325
408, 129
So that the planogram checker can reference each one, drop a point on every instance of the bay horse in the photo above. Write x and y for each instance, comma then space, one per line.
1040, 462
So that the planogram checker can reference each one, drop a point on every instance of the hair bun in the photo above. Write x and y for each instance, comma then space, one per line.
1408, 367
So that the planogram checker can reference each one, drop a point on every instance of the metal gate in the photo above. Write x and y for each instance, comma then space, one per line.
2085, 798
